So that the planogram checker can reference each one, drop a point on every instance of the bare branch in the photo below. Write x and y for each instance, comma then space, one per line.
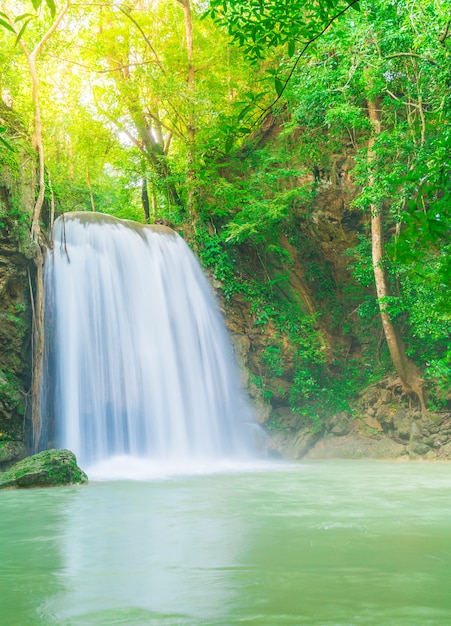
146, 39
411, 54
445, 34
97, 71
51, 30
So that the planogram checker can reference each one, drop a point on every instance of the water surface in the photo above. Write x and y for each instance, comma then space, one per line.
336, 543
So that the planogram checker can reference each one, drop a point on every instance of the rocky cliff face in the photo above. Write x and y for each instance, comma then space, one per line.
16, 274
315, 279
309, 275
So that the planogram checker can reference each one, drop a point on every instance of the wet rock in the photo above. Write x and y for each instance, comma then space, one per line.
295, 446
385, 416
279, 389
353, 447
286, 418
419, 448
339, 425
11, 451
304, 441
50, 468
372, 422
15, 326
415, 432
241, 345
370, 397
445, 451
402, 424
262, 409
431, 424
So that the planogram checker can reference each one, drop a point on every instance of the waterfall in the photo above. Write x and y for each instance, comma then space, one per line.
139, 362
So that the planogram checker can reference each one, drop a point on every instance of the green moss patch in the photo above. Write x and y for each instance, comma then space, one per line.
49, 468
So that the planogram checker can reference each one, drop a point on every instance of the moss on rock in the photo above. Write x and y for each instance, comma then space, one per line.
49, 468
10, 451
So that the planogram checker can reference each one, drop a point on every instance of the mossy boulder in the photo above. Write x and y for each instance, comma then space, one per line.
50, 468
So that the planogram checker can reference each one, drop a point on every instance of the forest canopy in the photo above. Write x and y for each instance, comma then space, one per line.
225, 119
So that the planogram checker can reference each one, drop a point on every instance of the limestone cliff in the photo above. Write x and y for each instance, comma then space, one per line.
16, 276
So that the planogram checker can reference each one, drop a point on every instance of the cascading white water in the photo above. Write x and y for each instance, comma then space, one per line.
140, 361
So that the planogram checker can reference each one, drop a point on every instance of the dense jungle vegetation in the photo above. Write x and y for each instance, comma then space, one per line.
241, 123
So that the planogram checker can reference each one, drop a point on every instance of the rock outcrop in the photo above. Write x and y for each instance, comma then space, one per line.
51, 468
16, 278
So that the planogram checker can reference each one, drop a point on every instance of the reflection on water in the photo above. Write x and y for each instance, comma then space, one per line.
315, 544
148, 547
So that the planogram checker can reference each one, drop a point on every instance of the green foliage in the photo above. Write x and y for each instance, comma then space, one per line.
115, 109
259, 26
20, 23
3, 142
14, 220
276, 425
215, 254
272, 359
11, 392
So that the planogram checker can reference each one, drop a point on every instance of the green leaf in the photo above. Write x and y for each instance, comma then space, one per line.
36, 4
6, 25
21, 31
19, 18
291, 48
229, 143
243, 112
355, 6
278, 85
52, 7
4, 143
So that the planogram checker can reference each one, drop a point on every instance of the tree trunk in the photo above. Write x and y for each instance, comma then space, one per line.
38, 146
406, 369
36, 235
145, 198
91, 195
38, 350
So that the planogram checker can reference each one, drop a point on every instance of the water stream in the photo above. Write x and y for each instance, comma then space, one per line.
140, 375
317, 544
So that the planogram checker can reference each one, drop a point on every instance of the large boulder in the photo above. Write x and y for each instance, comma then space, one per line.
50, 468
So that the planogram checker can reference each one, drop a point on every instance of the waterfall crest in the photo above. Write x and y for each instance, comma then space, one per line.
140, 362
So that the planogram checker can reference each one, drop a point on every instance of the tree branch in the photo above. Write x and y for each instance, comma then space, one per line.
410, 54
445, 33
51, 30
300, 55
146, 39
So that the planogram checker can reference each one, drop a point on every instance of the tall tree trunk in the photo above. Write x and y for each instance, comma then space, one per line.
91, 195
38, 145
150, 147
406, 369
145, 197
37, 349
